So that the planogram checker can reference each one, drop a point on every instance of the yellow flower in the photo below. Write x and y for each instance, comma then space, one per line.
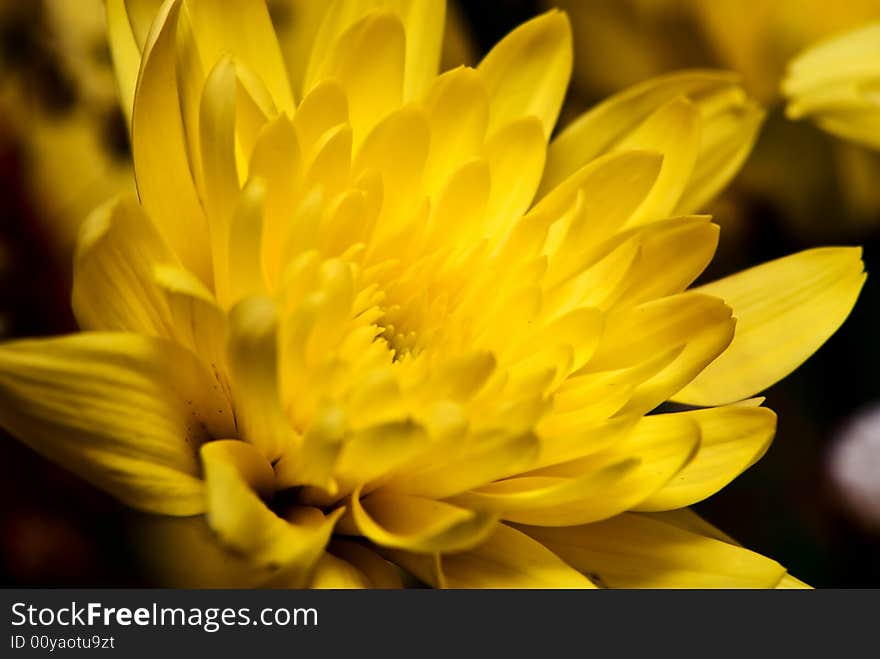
650, 37
373, 320
837, 83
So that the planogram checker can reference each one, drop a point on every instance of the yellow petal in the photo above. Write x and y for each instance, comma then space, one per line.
672, 254
253, 361
246, 277
515, 154
482, 462
333, 573
123, 411
418, 524
700, 323
785, 309
458, 216
113, 286
598, 486
632, 551
367, 60
593, 204
244, 523
397, 149
733, 439
527, 72
325, 107
197, 322
730, 126
423, 23
687, 520
603, 127
125, 52
164, 180
673, 130
375, 451
217, 140
313, 464
379, 572
458, 112
276, 159
788, 582
243, 29
506, 559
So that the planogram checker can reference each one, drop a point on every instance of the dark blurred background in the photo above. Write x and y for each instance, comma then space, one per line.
63, 150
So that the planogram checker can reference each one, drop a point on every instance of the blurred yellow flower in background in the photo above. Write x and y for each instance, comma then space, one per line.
837, 83
833, 194
364, 318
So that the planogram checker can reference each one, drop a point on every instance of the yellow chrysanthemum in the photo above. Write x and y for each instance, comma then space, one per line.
374, 321
837, 83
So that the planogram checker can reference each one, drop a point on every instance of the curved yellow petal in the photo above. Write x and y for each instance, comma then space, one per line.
113, 287
334, 573
124, 411
162, 169
221, 189
527, 72
672, 254
367, 60
598, 486
673, 130
698, 324
125, 52
506, 559
785, 310
730, 126
733, 439
378, 572
290, 545
633, 551
417, 524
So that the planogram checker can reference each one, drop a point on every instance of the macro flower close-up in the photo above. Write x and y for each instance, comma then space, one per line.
375, 324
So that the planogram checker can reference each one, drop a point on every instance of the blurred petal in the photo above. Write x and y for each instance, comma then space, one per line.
418, 524
333, 573
253, 361
244, 523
